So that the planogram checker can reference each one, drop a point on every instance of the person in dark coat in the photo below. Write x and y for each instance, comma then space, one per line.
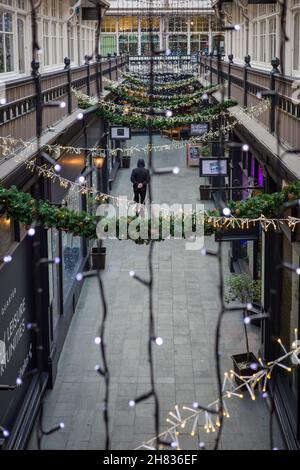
140, 178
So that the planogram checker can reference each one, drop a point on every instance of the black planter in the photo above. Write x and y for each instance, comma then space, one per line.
98, 258
205, 192
126, 161
241, 366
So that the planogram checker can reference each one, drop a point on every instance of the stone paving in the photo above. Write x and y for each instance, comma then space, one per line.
186, 309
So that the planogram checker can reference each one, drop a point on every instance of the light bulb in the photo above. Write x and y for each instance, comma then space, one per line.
19, 381
63, 104
57, 168
131, 273
247, 320
80, 116
61, 425
204, 97
79, 277
253, 366
168, 52
81, 179
159, 341
174, 444
237, 27
169, 113
259, 95
7, 259
265, 395
249, 306
201, 445
245, 147
57, 260
195, 404
31, 232
97, 340
298, 271
176, 170
3, 101
226, 211
5, 433
131, 403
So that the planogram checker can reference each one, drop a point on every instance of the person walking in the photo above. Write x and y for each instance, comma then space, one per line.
140, 178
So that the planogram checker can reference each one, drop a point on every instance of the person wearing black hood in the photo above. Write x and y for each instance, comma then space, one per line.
140, 178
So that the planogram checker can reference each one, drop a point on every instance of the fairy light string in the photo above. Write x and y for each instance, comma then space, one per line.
261, 378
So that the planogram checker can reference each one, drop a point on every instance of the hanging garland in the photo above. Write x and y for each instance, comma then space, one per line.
169, 102
176, 80
117, 115
140, 85
23, 208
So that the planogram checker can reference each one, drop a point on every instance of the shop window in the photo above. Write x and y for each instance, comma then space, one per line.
199, 42
71, 247
46, 42
218, 44
262, 45
6, 235
128, 44
146, 44
296, 42
177, 24
128, 24
6, 42
145, 24
178, 43
108, 24
254, 42
199, 24
21, 46
272, 38
289, 315
54, 290
108, 45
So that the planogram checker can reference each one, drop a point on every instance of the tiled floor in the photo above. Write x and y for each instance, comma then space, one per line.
186, 309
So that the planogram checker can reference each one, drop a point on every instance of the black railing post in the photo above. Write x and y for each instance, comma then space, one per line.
88, 83
99, 71
275, 64
116, 57
67, 63
230, 61
247, 65
109, 63
38, 98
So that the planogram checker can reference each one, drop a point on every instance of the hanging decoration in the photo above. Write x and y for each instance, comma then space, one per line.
121, 115
135, 83
23, 208
178, 419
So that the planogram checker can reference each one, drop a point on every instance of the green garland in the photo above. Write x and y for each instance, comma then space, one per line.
24, 209
135, 83
160, 102
115, 114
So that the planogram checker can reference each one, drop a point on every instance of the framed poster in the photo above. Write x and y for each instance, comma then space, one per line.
193, 153
199, 129
210, 166
120, 133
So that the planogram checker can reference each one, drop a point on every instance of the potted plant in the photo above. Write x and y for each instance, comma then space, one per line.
126, 161
244, 289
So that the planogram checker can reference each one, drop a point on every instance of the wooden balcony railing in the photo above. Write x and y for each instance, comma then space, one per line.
245, 83
18, 116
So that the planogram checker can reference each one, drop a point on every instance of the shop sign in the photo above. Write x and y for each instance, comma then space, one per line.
17, 348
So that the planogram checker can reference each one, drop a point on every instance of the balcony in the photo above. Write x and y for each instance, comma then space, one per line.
18, 115
246, 83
